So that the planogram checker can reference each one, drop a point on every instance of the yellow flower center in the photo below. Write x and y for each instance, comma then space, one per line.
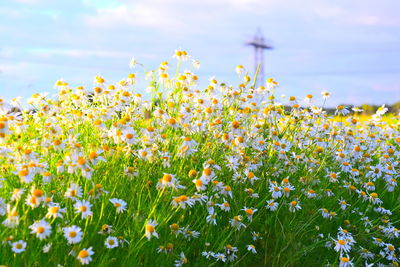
83, 254
171, 121
249, 211
174, 227
72, 234
207, 171
23, 172
81, 161
345, 259
54, 209
167, 178
149, 228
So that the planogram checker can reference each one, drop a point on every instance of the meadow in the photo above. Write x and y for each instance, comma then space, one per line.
221, 176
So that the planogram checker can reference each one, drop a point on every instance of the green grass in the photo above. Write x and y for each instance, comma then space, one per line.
284, 238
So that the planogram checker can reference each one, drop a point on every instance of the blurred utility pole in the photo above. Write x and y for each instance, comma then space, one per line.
259, 45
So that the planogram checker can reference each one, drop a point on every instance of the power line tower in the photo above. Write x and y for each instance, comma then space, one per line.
259, 45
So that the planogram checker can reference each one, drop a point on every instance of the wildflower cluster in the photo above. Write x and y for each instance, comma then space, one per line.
219, 174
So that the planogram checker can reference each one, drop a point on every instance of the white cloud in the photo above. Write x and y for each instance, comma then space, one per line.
79, 53
176, 16
16, 70
362, 13
378, 20
147, 15
29, 1
387, 87
7, 51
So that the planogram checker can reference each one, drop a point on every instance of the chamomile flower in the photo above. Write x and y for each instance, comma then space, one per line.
357, 109
275, 190
256, 236
294, 206
240, 69
325, 213
230, 252
196, 64
84, 208
150, 229
111, 242
35, 198
251, 176
325, 95
236, 222
200, 184
343, 204
17, 194
272, 205
41, 229
73, 234
286, 189
249, 212
226, 191
342, 245
18, 246
85, 255
208, 174
341, 110
225, 206
3, 207
175, 228
169, 181
250, 192
366, 254
219, 257
181, 261
133, 62
119, 204
26, 175
212, 218
220, 150
182, 201
74, 191
251, 248
55, 211
345, 262
188, 233
373, 197
181, 55
13, 217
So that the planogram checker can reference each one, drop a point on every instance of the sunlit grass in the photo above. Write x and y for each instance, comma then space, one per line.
222, 175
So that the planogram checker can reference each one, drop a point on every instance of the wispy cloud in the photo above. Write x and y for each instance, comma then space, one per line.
362, 13
77, 53
14, 70
174, 16
135, 15
333, 42
29, 1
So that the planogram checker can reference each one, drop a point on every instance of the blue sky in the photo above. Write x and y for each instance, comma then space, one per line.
349, 48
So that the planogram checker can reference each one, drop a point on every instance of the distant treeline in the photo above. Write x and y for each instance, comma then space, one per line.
367, 109
370, 109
